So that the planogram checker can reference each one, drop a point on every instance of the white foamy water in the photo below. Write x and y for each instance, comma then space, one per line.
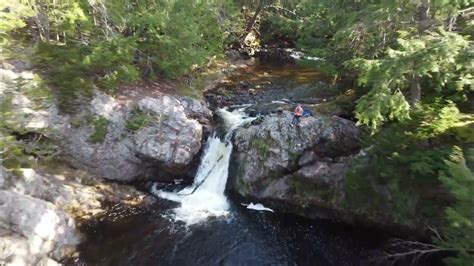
257, 207
205, 197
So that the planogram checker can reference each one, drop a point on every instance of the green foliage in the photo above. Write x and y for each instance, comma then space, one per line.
436, 119
83, 44
11, 150
459, 232
138, 120
406, 159
343, 29
438, 57
74, 70
99, 124
12, 18
282, 30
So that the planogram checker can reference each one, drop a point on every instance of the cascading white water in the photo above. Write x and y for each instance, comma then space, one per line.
206, 196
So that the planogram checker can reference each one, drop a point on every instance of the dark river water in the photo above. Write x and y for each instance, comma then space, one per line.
245, 237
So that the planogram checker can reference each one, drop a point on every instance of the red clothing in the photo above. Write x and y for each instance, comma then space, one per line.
299, 111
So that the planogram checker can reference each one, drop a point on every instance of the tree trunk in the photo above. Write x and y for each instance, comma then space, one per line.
254, 18
423, 16
423, 25
42, 23
415, 90
451, 22
250, 26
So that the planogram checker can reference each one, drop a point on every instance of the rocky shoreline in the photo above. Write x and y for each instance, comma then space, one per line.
42, 203
142, 137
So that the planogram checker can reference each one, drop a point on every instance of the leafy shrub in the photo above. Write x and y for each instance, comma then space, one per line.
86, 44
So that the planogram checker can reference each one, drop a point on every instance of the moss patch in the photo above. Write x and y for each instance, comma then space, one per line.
138, 120
99, 123
306, 189
262, 147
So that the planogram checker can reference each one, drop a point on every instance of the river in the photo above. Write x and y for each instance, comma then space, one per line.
203, 225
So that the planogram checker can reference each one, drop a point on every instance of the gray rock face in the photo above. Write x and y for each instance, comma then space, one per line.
38, 228
37, 211
304, 169
113, 159
162, 149
274, 147
175, 140
37, 208
322, 173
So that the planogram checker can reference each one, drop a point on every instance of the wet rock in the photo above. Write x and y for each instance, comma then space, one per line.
235, 55
283, 92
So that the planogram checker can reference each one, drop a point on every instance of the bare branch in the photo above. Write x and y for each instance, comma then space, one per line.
279, 8
432, 229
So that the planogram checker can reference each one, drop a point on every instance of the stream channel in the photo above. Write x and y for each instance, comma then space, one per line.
203, 224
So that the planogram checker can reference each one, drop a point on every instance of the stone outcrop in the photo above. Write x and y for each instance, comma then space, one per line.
38, 212
162, 149
40, 207
275, 147
98, 137
31, 228
46, 228
304, 170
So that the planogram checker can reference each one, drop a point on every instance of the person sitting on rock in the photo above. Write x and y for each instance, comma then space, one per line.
297, 114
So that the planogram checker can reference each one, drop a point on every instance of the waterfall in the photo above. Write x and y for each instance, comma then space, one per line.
205, 197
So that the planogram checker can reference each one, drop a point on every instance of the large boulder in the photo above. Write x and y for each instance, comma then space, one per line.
38, 211
305, 170
175, 140
163, 148
274, 147
34, 227
98, 137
